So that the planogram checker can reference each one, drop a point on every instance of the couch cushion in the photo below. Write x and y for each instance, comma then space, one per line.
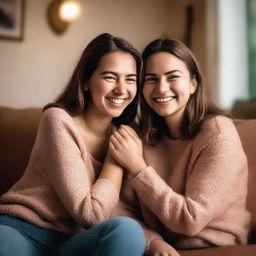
247, 133
236, 250
18, 128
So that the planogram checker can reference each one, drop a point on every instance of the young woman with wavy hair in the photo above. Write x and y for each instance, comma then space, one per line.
63, 202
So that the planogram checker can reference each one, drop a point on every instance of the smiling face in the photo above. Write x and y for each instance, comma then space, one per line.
168, 86
113, 85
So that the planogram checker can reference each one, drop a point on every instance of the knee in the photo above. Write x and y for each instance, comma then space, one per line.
130, 230
127, 224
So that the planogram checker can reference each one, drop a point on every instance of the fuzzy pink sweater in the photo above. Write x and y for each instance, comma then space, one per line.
193, 192
59, 189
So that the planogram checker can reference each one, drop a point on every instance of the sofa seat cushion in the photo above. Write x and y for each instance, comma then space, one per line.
236, 250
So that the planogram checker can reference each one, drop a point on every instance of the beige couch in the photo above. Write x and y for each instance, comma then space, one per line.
17, 133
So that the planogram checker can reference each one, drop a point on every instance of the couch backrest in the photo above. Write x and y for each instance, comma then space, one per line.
247, 133
18, 129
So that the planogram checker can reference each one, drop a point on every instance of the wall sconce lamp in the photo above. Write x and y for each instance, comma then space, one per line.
61, 12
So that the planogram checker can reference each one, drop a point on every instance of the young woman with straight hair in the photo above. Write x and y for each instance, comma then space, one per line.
190, 172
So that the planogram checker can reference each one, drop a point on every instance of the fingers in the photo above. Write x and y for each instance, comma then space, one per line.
123, 133
111, 147
127, 130
165, 254
118, 135
113, 140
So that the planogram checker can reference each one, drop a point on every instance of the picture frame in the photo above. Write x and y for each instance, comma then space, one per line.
11, 19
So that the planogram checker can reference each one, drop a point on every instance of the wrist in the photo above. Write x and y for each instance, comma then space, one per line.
137, 168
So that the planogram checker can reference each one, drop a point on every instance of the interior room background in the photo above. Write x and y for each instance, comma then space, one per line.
35, 69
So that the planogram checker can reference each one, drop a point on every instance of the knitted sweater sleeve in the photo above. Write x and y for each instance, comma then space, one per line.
66, 170
217, 175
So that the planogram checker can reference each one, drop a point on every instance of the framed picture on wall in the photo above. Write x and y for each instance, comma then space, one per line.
11, 19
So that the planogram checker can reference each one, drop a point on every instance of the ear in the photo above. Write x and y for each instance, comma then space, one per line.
193, 85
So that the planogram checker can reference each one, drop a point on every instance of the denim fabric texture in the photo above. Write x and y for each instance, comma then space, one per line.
120, 236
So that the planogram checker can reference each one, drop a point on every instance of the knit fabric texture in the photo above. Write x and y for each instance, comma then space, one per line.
193, 192
60, 189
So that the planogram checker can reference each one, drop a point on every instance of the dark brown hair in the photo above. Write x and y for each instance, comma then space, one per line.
74, 98
153, 126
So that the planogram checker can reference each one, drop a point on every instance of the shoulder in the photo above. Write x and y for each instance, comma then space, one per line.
54, 117
55, 114
217, 126
217, 130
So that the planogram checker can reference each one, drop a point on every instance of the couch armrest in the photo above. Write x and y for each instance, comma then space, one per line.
234, 250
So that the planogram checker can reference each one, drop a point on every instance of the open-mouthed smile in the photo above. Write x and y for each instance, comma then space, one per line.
163, 99
116, 101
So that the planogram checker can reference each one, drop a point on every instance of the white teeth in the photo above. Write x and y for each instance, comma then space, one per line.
163, 99
115, 100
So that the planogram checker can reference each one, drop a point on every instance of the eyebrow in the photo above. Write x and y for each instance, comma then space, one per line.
166, 73
115, 74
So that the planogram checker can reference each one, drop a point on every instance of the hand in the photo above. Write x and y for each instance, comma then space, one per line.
126, 148
109, 158
160, 248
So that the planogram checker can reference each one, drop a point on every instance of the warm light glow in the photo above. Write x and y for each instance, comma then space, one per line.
70, 10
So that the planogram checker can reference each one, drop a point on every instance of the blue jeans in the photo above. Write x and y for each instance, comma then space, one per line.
120, 236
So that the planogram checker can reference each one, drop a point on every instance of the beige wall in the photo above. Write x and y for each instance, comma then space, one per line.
34, 71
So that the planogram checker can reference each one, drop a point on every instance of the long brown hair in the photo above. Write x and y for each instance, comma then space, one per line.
74, 99
153, 126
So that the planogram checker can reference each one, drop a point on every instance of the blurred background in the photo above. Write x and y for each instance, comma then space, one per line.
38, 50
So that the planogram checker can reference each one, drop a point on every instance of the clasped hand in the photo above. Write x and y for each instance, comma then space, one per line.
126, 148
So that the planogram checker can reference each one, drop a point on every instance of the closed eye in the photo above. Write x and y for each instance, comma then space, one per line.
150, 79
131, 80
109, 78
172, 77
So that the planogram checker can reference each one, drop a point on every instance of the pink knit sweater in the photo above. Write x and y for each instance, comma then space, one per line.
193, 192
59, 189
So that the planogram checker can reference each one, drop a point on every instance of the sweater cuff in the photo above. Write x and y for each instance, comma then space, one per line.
148, 184
144, 179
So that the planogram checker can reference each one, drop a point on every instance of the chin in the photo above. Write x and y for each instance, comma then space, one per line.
164, 113
115, 114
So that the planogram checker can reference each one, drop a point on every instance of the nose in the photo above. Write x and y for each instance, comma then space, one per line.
119, 87
163, 85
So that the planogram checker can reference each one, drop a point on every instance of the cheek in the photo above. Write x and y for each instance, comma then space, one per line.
100, 89
133, 91
181, 88
146, 91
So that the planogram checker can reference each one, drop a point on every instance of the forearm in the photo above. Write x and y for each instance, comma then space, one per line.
112, 171
187, 214
178, 213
